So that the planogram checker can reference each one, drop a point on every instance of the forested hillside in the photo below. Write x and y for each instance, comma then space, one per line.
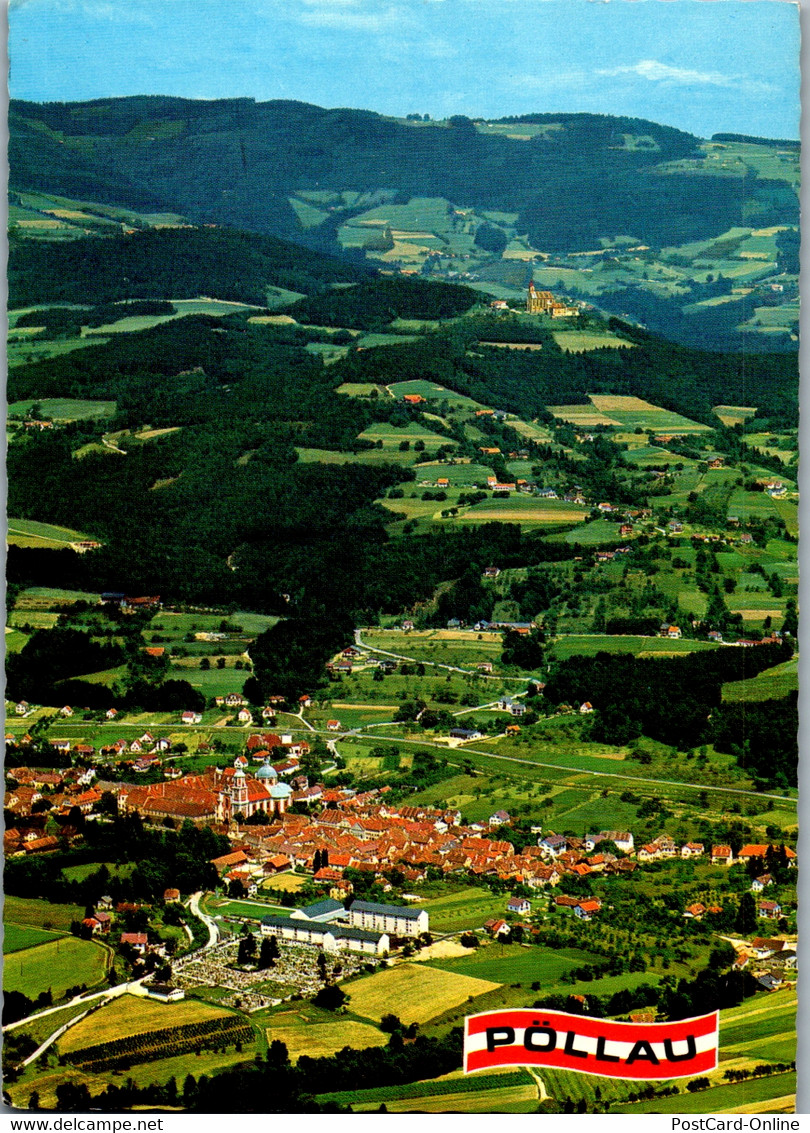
237, 162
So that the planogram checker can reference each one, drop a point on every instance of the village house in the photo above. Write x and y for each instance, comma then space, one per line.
722, 855
771, 910
518, 905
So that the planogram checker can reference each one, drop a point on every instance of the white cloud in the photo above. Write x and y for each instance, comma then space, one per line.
654, 71
349, 14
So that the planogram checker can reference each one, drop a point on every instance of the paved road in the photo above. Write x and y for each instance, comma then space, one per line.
436, 664
213, 931
575, 770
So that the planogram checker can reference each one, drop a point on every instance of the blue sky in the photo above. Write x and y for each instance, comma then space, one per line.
702, 65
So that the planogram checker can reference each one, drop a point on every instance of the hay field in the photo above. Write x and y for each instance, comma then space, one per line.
319, 1040
523, 509
585, 415
135, 1015
413, 992
579, 341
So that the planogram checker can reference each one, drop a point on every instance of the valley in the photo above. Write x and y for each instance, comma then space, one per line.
382, 648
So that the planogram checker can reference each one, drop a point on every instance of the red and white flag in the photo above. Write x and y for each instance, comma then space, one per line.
638, 1051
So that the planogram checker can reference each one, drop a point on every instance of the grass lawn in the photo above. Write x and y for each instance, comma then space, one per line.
414, 992
64, 408
216, 907
16, 937
213, 681
80, 872
30, 533
467, 909
58, 965
587, 645
135, 1015
771, 684
516, 963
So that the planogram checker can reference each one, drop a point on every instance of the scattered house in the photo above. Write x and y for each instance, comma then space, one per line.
171, 895
465, 734
715, 635
491, 572
513, 707
512, 730
333, 725
136, 940
518, 905
499, 818
245, 716
66, 711
585, 909
305, 701
111, 713
760, 883
769, 982
498, 928
484, 666
585, 708
722, 855
762, 947
191, 718
770, 909
674, 631
692, 850
413, 398
695, 911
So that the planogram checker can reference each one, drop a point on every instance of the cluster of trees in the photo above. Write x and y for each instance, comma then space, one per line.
170, 263
70, 320
381, 301
178, 858
667, 699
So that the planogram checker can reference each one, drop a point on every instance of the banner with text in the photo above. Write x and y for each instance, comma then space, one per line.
639, 1051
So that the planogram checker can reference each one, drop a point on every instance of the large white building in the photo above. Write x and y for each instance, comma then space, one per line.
331, 938
395, 919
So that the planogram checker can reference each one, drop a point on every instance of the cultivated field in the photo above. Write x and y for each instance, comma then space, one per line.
135, 1015
511, 1091
40, 914
524, 510
578, 341
414, 992
319, 1040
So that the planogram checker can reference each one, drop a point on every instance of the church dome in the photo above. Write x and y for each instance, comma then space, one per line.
267, 772
280, 791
